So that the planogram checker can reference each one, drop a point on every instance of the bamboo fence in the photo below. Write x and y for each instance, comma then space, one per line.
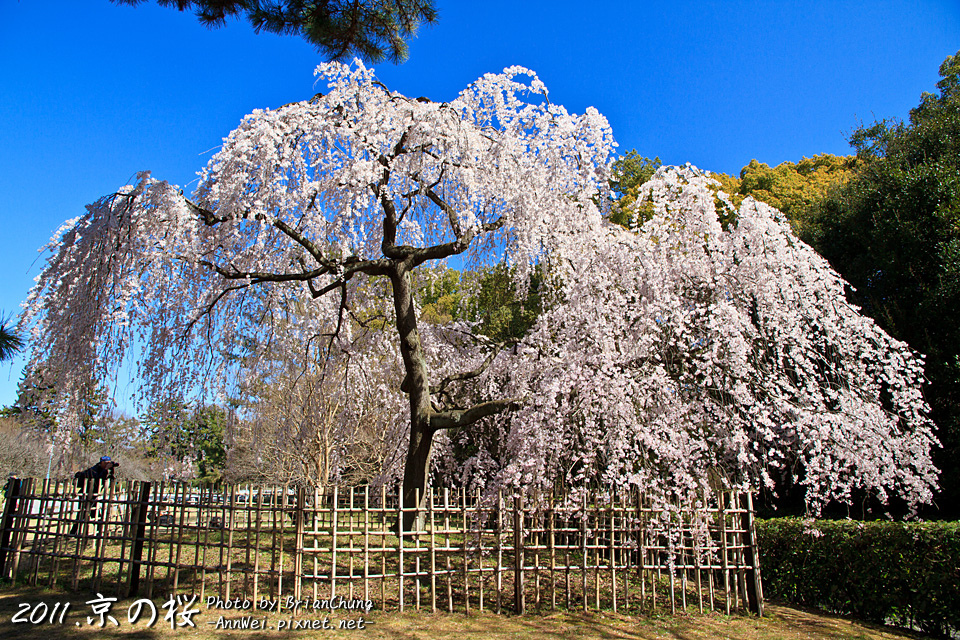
581, 550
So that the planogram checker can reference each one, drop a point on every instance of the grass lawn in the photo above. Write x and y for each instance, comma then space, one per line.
778, 623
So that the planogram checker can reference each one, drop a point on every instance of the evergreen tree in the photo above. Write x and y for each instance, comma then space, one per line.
10, 342
371, 29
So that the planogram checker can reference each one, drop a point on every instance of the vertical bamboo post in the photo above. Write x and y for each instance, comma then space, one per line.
612, 559
154, 545
724, 559
80, 532
433, 552
21, 518
224, 502
535, 537
683, 556
37, 555
597, 523
197, 543
139, 532
400, 544
464, 546
499, 569
366, 542
446, 544
172, 537
9, 511
272, 519
754, 585
183, 515
416, 554
206, 540
478, 519
334, 536
416, 591
625, 558
584, 552
231, 520
350, 550
299, 521
383, 545
317, 524
256, 539
248, 578
698, 564
552, 542
279, 513
641, 534
518, 586
60, 543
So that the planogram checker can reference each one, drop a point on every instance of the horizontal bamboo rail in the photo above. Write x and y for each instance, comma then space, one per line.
584, 550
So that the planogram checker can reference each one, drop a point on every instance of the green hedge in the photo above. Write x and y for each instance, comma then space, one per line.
886, 572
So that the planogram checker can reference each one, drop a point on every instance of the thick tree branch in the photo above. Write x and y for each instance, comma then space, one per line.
452, 216
458, 246
454, 419
349, 268
303, 241
209, 218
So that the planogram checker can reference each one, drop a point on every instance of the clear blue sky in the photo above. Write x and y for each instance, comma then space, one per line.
92, 93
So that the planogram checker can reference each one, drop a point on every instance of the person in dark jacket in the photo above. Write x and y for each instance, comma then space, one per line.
88, 482
90, 479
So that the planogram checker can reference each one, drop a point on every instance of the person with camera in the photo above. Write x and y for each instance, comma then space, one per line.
88, 482
90, 479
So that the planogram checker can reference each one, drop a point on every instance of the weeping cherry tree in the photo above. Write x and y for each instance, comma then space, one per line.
710, 349
309, 200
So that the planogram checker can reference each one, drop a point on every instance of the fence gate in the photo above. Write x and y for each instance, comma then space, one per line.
583, 549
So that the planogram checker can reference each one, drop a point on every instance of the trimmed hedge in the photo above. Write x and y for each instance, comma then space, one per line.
885, 572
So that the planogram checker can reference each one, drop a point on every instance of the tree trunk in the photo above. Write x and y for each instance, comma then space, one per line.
417, 387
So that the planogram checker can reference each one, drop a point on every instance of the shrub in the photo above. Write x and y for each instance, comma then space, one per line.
886, 572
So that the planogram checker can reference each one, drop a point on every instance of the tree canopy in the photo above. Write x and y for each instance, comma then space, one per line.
339, 198
795, 188
692, 352
340, 29
705, 348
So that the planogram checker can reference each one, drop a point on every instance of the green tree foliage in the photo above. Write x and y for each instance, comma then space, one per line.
795, 188
188, 433
488, 297
503, 314
37, 404
629, 172
340, 29
443, 295
10, 342
506, 314
893, 232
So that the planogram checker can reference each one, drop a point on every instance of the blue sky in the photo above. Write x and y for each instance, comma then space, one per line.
91, 93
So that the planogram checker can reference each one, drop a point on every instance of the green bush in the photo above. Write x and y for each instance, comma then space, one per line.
886, 572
